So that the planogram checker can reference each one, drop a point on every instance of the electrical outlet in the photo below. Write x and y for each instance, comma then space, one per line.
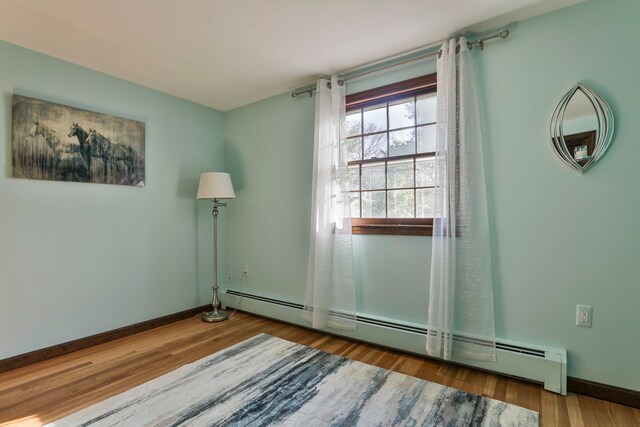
229, 277
583, 315
245, 270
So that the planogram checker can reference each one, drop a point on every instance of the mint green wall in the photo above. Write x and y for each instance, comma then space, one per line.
268, 156
559, 238
562, 238
79, 259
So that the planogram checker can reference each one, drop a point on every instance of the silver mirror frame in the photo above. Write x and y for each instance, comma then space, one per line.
605, 129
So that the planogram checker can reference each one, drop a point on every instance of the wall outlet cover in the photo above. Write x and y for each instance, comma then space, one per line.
584, 315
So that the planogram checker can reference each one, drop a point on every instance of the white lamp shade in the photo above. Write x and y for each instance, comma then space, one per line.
215, 185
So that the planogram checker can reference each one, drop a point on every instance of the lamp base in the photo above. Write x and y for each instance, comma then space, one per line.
215, 316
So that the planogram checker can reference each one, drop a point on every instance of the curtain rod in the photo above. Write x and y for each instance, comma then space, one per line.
503, 34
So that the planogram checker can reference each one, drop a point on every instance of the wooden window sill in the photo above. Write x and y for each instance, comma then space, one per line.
393, 227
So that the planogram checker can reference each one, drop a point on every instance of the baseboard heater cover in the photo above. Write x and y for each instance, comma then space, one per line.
530, 362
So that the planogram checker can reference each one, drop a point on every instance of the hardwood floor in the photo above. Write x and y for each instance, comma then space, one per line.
46, 391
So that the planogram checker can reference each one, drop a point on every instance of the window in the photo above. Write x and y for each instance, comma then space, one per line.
391, 137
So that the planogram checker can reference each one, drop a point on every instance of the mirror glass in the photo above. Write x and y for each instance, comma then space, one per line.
581, 128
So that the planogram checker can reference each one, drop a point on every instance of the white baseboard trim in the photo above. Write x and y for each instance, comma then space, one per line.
539, 364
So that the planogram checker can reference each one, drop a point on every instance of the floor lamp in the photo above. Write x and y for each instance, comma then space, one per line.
215, 186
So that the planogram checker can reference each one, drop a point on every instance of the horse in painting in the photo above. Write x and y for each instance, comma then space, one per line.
95, 165
118, 158
69, 164
100, 146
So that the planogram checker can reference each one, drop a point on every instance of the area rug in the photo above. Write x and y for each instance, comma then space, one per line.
267, 381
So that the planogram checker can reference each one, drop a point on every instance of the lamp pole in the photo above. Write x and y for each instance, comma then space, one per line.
216, 315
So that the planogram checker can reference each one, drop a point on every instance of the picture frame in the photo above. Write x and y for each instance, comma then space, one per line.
57, 142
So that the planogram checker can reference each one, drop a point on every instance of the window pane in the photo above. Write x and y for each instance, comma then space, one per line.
400, 203
373, 176
400, 174
402, 142
426, 108
373, 204
425, 172
354, 123
427, 139
354, 148
402, 114
354, 177
424, 203
375, 146
375, 120
355, 205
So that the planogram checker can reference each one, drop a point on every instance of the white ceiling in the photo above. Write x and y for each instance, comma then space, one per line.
229, 53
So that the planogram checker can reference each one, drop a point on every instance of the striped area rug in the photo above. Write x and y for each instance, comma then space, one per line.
267, 381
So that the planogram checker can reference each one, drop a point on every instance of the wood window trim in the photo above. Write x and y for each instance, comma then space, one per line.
393, 226
383, 94
412, 87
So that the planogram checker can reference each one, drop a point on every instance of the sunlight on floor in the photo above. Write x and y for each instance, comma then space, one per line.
31, 420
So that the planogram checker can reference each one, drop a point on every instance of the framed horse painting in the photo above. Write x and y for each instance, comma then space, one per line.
61, 143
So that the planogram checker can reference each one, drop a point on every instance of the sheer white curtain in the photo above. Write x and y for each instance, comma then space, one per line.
330, 296
460, 317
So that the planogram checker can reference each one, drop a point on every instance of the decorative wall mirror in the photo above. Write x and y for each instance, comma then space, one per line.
581, 128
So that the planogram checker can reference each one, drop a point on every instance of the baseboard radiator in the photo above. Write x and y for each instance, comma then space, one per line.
539, 364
